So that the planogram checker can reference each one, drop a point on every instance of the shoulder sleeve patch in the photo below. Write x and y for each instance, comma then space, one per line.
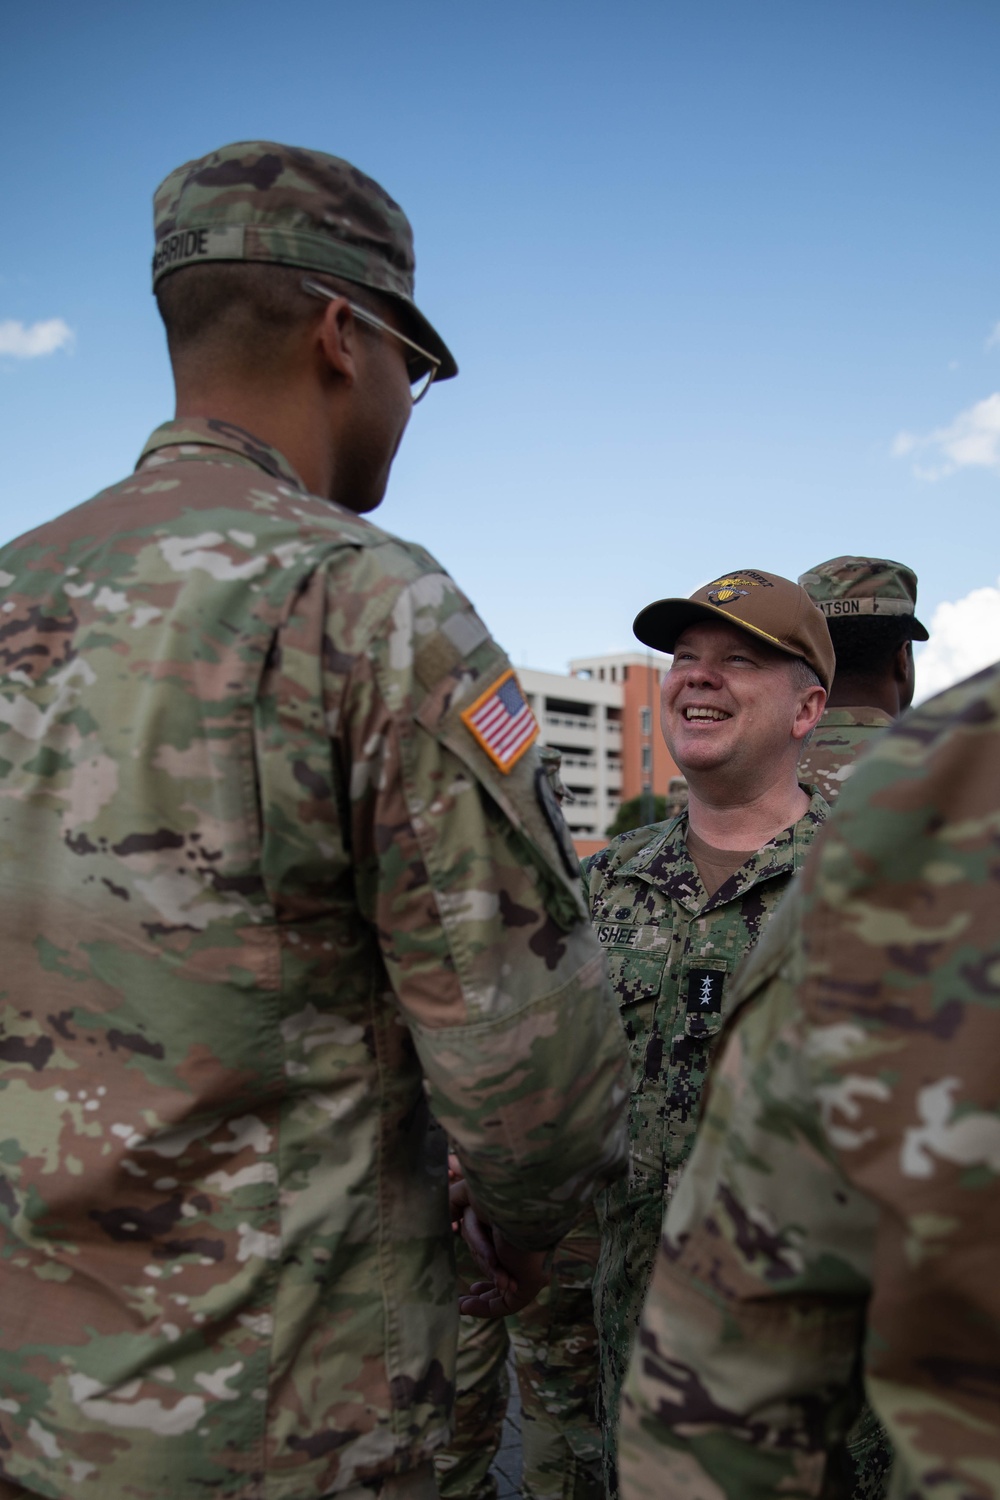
501, 722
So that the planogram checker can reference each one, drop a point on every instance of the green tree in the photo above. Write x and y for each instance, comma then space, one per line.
630, 814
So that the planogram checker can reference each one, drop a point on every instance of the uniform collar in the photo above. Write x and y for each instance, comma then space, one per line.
848, 718
194, 438
666, 863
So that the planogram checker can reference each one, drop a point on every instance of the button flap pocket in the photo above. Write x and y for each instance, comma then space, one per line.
635, 976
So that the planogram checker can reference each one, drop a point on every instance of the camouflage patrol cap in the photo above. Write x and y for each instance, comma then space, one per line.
848, 588
261, 201
763, 604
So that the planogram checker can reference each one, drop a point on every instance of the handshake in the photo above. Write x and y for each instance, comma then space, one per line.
511, 1277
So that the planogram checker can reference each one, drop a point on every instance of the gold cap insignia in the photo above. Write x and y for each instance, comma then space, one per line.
728, 589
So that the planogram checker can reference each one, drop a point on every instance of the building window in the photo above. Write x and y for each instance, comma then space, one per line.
568, 706
645, 720
647, 757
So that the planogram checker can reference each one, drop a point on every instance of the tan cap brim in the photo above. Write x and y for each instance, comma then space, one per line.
660, 623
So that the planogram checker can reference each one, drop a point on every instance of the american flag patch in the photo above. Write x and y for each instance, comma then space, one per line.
502, 722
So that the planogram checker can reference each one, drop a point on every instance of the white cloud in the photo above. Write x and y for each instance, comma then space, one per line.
965, 637
971, 442
994, 338
29, 341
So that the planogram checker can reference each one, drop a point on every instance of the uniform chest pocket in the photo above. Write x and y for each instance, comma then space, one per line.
636, 979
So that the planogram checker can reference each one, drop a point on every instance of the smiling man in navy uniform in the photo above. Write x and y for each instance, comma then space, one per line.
677, 905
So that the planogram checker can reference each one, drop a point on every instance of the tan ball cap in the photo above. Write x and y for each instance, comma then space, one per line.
765, 605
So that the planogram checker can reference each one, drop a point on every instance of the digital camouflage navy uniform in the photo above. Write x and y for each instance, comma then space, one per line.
272, 897
554, 1346
862, 590
840, 1215
671, 952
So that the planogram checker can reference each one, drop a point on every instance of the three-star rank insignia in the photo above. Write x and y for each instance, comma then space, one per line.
704, 998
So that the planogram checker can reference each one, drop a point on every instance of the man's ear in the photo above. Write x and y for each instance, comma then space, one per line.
902, 661
337, 339
810, 711
904, 674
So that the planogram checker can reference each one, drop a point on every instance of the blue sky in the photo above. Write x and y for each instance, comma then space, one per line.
722, 279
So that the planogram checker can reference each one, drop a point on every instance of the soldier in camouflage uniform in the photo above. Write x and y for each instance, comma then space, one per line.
869, 603
839, 1220
554, 1344
281, 876
677, 906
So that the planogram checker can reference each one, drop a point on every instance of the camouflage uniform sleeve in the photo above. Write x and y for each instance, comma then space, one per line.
842, 1204
744, 1378
901, 994
469, 878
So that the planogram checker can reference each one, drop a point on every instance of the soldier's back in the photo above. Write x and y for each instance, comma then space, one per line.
839, 739
226, 979
178, 889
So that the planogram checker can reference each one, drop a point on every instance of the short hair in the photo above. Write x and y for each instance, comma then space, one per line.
804, 678
241, 310
803, 675
865, 647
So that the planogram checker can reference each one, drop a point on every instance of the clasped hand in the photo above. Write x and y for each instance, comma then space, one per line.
511, 1277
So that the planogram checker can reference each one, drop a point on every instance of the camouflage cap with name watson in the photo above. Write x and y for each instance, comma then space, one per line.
847, 588
763, 604
261, 201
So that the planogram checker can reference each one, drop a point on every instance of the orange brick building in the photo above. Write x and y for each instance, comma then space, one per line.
604, 717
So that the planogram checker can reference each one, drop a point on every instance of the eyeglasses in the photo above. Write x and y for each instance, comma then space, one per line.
421, 367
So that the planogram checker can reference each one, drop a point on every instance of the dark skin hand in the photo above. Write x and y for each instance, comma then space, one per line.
512, 1278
